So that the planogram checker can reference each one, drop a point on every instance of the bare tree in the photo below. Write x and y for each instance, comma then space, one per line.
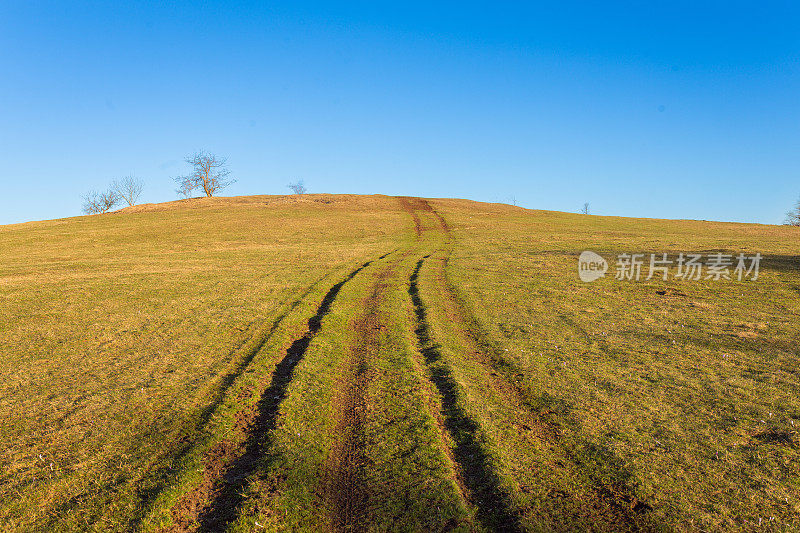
95, 203
793, 216
128, 188
209, 173
298, 187
185, 190
585, 210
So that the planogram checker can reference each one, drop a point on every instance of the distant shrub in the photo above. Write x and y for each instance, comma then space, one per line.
298, 187
95, 203
129, 189
793, 216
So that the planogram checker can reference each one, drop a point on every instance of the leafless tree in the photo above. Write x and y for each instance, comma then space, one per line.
585, 210
128, 188
185, 190
209, 173
95, 203
298, 187
793, 216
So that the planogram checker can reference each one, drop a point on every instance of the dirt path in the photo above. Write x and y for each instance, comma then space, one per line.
415, 206
606, 503
346, 491
408, 204
215, 501
478, 480
247, 351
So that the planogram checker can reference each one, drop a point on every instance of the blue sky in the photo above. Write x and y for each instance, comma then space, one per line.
673, 109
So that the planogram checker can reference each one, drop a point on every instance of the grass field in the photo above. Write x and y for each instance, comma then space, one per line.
372, 363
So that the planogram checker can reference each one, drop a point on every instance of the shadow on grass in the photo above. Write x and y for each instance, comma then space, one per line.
225, 506
162, 476
492, 503
614, 505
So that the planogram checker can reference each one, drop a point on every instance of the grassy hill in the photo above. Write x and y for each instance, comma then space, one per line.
337, 362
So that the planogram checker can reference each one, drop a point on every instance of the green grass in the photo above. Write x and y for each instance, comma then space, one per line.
117, 329
694, 394
234, 363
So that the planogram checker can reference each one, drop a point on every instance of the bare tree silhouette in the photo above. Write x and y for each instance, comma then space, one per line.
298, 187
128, 188
793, 216
209, 173
95, 203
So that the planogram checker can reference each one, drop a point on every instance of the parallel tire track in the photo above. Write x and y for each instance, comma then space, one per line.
627, 511
214, 503
408, 204
476, 474
346, 490
544, 416
249, 348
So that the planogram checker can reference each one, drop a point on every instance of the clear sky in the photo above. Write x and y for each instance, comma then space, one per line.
658, 109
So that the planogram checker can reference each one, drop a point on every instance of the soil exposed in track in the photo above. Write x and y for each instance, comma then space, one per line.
347, 491
478, 480
214, 502
248, 349
607, 503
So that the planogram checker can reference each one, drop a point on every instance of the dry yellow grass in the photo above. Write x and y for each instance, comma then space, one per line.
139, 349
117, 328
690, 387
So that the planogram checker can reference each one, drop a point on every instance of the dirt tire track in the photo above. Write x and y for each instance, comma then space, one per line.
407, 204
213, 504
346, 489
440, 218
625, 509
412, 205
541, 414
477, 479
250, 347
